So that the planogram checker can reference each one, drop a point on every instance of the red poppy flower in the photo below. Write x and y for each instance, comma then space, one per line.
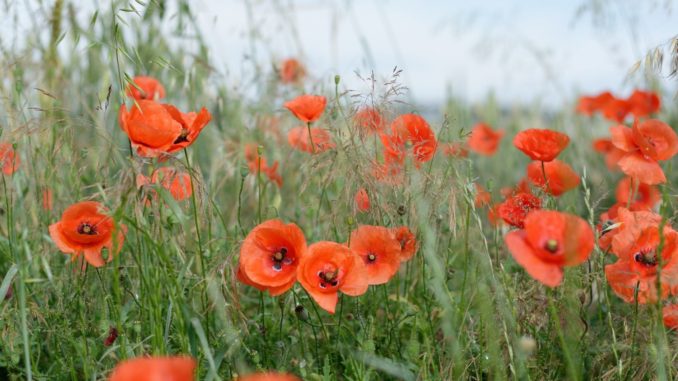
146, 88
362, 200
484, 140
455, 150
616, 110
483, 197
155, 129
407, 240
621, 227
643, 103
177, 183
612, 154
646, 196
291, 71
638, 263
541, 145
255, 163
589, 105
379, 250
388, 173
9, 160
307, 108
415, 130
514, 209
298, 138
560, 177
493, 215
523, 186
644, 145
85, 229
154, 369
369, 120
550, 241
670, 316
268, 376
328, 268
270, 255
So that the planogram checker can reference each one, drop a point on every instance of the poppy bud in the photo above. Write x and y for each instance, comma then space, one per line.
350, 221
112, 336
9, 293
337, 79
301, 313
244, 171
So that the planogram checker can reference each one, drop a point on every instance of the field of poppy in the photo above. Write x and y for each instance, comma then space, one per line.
158, 224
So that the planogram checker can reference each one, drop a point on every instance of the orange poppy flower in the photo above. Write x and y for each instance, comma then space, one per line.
670, 316
179, 368
618, 220
484, 140
612, 154
414, 129
550, 241
155, 129
328, 268
298, 138
379, 250
646, 196
638, 263
9, 160
493, 215
291, 71
643, 103
616, 110
455, 150
644, 145
514, 209
541, 145
483, 197
147, 88
369, 120
362, 200
269, 256
254, 165
307, 108
85, 229
560, 177
407, 240
589, 105
177, 183
268, 376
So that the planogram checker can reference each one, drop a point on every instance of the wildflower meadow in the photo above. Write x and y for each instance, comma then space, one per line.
159, 223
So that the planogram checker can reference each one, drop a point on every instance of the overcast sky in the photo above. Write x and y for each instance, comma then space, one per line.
522, 49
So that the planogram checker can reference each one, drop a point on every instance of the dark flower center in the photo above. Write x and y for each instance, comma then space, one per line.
371, 257
87, 229
183, 137
280, 258
328, 277
551, 246
646, 257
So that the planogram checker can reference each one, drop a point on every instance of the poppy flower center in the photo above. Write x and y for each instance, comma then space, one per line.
328, 277
183, 137
280, 258
551, 246
87, 229
371, 257
646, 257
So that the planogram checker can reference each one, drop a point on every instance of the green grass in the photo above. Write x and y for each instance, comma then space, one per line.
461, 309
